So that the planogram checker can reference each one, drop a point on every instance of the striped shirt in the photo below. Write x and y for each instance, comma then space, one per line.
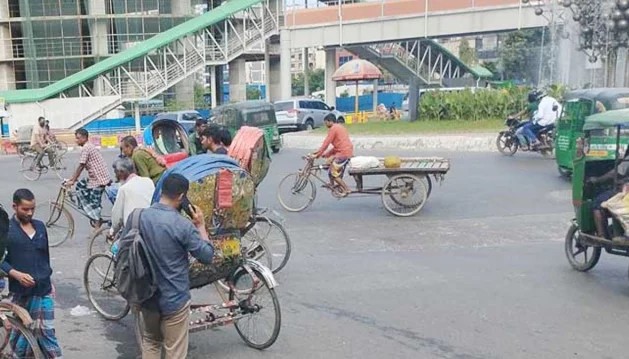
96, 167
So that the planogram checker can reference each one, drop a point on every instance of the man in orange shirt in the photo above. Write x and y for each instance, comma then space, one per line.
339, 155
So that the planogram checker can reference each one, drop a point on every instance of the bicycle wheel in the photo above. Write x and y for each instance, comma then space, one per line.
59, 222
261, 318
60, 168
100, 285
299, 189
62, 148
99, 242
18, 342
277, 244
29, 170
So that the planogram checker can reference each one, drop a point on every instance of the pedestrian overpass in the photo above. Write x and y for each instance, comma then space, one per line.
391, 33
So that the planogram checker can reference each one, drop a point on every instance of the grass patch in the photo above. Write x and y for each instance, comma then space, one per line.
419, 127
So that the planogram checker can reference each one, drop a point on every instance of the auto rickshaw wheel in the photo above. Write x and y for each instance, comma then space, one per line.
580, 256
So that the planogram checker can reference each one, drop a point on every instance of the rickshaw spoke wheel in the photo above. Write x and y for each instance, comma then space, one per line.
261, 318
296, 192
580, 256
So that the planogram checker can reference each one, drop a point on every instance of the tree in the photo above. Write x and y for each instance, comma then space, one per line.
467, 54
316, 81
519, 54
253, 93
199, 96
492, 66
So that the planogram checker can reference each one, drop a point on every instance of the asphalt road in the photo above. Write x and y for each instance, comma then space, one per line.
479, 273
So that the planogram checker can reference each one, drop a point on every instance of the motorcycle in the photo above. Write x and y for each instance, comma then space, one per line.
508, 143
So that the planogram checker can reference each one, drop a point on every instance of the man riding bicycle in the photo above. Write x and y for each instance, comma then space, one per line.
339, 155
40, 143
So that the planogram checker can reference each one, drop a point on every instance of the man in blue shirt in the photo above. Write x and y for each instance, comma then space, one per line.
169, 237
27, 262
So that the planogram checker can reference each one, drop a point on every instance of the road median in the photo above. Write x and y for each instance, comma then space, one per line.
461, 142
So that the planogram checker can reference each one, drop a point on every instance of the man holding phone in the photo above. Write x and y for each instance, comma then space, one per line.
169, 237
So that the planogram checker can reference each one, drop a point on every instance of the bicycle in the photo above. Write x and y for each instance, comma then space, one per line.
16, 322
59, 221
32, 171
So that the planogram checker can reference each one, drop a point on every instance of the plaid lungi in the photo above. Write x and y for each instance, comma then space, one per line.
42, 310
90, 199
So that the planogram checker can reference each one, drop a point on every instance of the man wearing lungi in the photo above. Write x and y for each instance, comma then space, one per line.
27, 262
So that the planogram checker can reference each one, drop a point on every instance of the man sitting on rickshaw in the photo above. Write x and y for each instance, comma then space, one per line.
600, 214
339, 155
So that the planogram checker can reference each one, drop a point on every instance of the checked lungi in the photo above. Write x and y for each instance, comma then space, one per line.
90, 199
42, 310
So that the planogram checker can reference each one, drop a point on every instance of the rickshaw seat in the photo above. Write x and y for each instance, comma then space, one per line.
173, 158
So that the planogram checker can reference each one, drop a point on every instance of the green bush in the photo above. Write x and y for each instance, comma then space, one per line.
472, 106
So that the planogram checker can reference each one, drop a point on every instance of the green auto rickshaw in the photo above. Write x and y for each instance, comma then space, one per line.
577, 106
259, 114
601, 150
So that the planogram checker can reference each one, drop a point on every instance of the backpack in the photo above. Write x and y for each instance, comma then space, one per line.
250, 149
134, 274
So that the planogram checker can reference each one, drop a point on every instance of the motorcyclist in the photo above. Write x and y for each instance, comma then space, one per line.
548, 110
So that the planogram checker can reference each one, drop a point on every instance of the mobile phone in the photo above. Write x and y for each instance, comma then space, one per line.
185, 205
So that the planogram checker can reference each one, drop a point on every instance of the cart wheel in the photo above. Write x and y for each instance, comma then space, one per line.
404, 195
579, 255
59, 222
296, 192
99, 282
507, 144
261, 318
428, 183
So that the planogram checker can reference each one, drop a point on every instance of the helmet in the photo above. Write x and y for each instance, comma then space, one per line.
536, 95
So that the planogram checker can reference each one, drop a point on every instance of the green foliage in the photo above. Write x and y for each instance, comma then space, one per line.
467, 54
316, 81
199, 98
472, 106
520, 49
173, 105
344, 94
253, 93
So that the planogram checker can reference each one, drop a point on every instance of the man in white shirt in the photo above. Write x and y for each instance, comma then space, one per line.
135, 192
547, 113
39, 142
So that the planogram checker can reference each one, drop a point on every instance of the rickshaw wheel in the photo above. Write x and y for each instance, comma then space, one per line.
577, 253
507, 144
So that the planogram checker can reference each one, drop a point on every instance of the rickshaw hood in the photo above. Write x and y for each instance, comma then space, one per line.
608, 119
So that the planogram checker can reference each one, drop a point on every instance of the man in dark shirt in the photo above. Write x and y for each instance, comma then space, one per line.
212, 140
169, 237
27, 263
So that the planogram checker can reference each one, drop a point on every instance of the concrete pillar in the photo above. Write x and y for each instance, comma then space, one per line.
7, 72
413, 99
237, 80
184, 90
330, 85
621, 67
274, 71
375, 95
306, 64
214, 92
98, 40
285, 73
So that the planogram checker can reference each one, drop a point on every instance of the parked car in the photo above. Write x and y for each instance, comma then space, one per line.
255, 113
187, 119
304, 113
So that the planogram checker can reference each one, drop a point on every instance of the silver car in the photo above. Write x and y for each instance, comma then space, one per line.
303, 114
